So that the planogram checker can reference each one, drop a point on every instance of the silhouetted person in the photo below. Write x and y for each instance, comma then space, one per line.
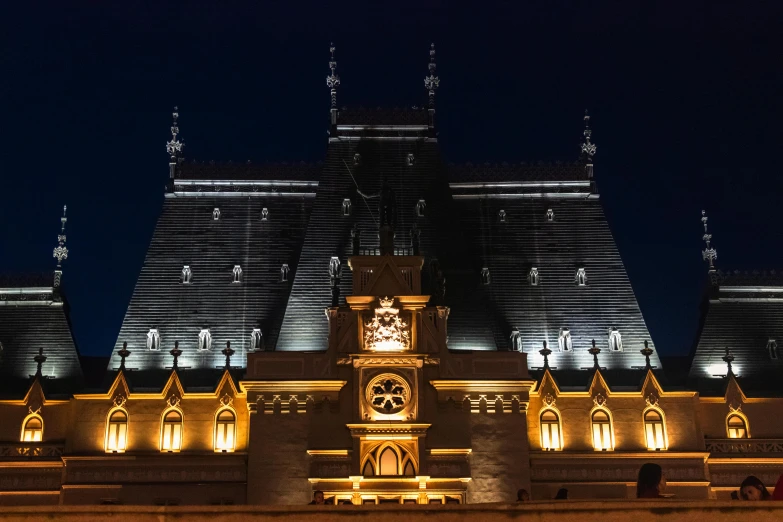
753, 489
651, 482
562, 494
523, 495
318, 498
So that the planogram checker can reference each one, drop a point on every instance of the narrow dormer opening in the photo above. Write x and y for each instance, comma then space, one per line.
346, 207
564, 340
256, 339
264, 214
284, 270
550, 214
420, 208
581, 276
533, 276
204, 339
187, 275
153, 339
485, 277
615, 340
216, 214
237, 274
772, 349
411, 160
357, 159
502, 215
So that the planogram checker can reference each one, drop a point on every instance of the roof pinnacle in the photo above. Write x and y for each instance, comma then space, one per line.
228, 352
709, 253
124, 353
545, 352
594, 351
39, 360
728, 359
333, 81
647, 352
431, 83
176, 352
174, 147
588, 148
60, 251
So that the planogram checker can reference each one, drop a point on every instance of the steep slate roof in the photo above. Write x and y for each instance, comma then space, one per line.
34, 316
742, 312
187, 234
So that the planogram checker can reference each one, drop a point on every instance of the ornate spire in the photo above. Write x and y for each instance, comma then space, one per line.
176, 352
588, 148
431, 83
124, 353
39, 360
174, 147
594, 351
333, 81
545, 352
728, 359
708, 254
647, 352
60, 251
228, 352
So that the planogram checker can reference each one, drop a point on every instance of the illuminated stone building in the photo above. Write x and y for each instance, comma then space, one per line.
386, 328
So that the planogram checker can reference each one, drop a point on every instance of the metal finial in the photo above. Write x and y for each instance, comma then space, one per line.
175, 146
588, 148
708, 254
39, 360
60, 251
176, 352
545, 352
647, 352
228, 352
594, 351
728, 359
123, 354
333, 81
431, 82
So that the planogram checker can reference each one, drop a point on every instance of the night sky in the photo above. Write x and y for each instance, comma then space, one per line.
685, 98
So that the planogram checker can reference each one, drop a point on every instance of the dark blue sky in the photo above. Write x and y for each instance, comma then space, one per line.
685, 97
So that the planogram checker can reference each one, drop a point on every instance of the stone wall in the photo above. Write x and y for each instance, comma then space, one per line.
563, 511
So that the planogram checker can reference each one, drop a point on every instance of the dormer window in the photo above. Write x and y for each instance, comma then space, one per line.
420, 206
564, 340
485, 278
187, 274
284, 272
357, 159
772, 348
533, 276
550, 214
237, 274
411, 160
256, 339
204, 339
153, 339
615, 340
216, 214
502, 215
581, 277
346, 207
516, 340
264, 214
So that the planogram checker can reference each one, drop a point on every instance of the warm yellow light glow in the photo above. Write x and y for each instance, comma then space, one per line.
388, 437
117, 432
602, 431
33, 429
654, 430
225, 431
550, 431
171, 432
736, 427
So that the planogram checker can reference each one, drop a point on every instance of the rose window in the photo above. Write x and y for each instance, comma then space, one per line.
388, 393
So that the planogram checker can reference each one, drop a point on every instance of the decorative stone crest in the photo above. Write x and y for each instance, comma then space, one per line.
226, 400
549, 399
119, 400
388, 393
599, 399
387, 331
173, 400
651, 399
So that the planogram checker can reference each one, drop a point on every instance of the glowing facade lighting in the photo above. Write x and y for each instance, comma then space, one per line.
736, 427
171, 431
602, 431
117, 432
550, 431
33, 429
225, 431
654, 430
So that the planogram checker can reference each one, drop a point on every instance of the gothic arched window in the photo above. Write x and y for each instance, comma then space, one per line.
602, 430
564, 340
32, 429
256, 339
187, 274
153, 339
117, 432
736, 427
581, 277
533, 276
204, 339
225, 430
550, 430
655, 430
171, 431
237, 274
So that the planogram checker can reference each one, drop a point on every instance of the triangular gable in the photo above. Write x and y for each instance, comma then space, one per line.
734, 395
120, 385
651, 389
35, 397
387, 280
548, 385
598, 384
173, 386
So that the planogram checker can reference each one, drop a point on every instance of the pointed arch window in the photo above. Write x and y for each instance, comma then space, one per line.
346, 207
736, 427
564, 340
532, 276
550, 431
32, 429
388, 463
772, 348
117, 432
485, 277
389, 459
225, 431
256, 339
284, 270
187, 274
615, 340
581, 276
216, 214
153, 339
237, 274
655, 430
171, 431
204, 339
602, 431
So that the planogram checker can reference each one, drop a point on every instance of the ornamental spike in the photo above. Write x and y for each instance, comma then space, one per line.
588, 148
60, 251
728, 359
175, 146
333, 81
709, 254
431, 83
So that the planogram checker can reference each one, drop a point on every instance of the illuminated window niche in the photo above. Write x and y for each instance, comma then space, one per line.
32, 428
551, 432
603, 434
225, 430
655, 430
737, 426
117, 431
389, 459
171, 428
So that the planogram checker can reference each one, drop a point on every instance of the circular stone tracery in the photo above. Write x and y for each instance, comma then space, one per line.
388, 393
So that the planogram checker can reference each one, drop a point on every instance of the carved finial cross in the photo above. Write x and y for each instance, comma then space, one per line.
588, 148
123, 354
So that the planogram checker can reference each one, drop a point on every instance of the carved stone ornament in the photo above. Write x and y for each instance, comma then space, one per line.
735, 405
599, 399
651, 399
119, 400
387, 331
549, 399
173, 400
34, 409
388, 393
226, 399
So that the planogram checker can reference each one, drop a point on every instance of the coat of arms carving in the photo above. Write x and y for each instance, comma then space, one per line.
387, 331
